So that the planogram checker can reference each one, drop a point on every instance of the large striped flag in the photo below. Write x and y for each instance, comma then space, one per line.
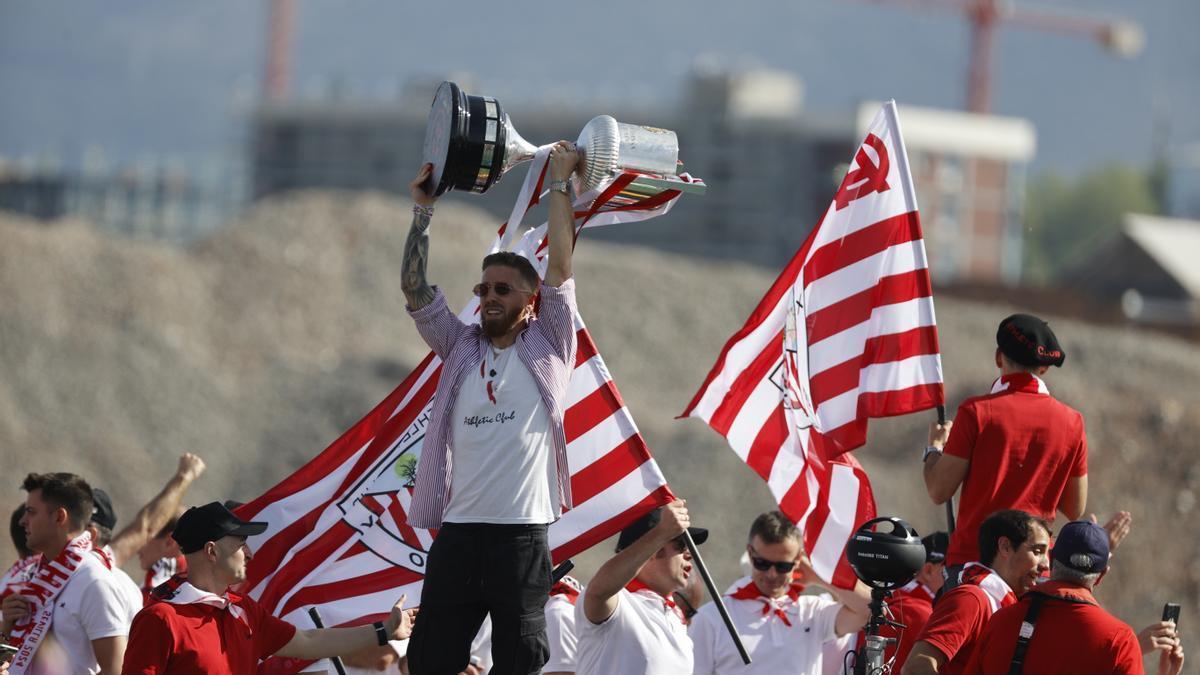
846, 333
338, 537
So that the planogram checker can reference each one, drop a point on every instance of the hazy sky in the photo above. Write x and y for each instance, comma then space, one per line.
142, 77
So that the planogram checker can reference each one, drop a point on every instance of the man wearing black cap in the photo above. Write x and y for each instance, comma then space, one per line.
1058, 627
104, 519
912, 604
1014, 448
627, 623
200, 626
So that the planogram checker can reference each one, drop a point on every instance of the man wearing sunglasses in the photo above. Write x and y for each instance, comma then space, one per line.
493, 468
783, 630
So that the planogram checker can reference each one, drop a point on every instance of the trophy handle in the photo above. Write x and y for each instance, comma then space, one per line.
516, 148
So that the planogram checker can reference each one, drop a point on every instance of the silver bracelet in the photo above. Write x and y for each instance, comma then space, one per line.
426, 211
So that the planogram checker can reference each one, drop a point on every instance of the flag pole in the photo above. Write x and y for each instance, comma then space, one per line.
941, 413
716, 596
336, 660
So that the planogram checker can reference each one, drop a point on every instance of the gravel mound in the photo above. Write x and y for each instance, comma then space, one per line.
256, 347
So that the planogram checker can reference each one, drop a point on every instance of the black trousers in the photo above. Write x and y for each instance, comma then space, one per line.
475, 569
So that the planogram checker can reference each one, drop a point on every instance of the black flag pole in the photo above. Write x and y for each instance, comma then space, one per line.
716, 596
337, 660
941, 412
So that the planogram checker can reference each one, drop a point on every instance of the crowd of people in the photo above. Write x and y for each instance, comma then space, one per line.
998, 594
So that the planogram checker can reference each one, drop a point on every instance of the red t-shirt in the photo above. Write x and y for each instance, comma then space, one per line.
1068, 637
1023, 447
910, 606
955, 625
198, 638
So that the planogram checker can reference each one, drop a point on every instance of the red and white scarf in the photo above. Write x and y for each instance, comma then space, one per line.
1027, 383
770, 606
178, 591
993, 586
568, 587
637, 587
42, 590
17, 575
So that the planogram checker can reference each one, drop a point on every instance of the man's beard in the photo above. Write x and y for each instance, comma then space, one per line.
500, 325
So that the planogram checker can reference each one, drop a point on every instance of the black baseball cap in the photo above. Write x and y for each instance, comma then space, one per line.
936, 545
1028, 340
102, 509
646, 523
202, 524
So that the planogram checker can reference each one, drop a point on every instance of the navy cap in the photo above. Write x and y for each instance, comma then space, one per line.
936, 545
102, 509
1083, 546
646, 523
202, 524
1028, 340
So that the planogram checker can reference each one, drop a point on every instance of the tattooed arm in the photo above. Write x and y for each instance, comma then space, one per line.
416, 250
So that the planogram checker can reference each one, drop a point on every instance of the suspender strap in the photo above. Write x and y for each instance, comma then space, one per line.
1026, 633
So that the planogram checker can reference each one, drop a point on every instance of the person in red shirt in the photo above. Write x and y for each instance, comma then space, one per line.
1068, 630
1014, 546
912, 604
198, 626
1013, 448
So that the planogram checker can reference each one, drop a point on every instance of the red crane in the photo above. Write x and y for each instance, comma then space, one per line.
277, 75
1123, 38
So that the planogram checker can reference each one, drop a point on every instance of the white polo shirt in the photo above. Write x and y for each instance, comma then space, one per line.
642, 637
560, 633
90, 607
774, 645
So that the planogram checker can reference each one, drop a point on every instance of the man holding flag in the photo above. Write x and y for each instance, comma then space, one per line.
847, 332
493, 473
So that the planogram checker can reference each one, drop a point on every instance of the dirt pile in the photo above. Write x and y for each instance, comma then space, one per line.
257, 347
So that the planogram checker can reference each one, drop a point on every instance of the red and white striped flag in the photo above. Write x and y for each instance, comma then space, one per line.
847, 332
338, 537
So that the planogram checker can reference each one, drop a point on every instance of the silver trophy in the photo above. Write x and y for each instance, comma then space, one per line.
472, 143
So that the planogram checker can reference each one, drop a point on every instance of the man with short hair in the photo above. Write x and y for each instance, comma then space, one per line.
1059, 627
1016, 447
493, 471
627, 623
72, 594
782, 630
1013, 556
199, 626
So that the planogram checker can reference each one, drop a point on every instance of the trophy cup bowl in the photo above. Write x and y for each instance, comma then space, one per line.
471, 143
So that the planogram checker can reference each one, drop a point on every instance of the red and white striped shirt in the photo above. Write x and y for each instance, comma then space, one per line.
546, 347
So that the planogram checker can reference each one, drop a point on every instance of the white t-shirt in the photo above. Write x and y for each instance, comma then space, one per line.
129, 588
774, 647
503, 468
560, 633
90, 607
642, 637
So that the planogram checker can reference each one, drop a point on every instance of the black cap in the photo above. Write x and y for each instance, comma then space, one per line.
102, 509
936, 545
646, 523
202, 524
1028, 340
1083, 546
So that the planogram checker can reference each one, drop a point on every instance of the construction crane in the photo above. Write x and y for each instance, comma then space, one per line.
1120, 37
277, 75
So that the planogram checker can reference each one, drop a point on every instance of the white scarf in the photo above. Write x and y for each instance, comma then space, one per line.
187, 594
42, 590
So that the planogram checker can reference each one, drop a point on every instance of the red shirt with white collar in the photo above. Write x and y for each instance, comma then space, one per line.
1023, 446
199, 638
960, 615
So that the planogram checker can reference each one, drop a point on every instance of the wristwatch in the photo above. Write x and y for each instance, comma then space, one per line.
930, 450
560, 186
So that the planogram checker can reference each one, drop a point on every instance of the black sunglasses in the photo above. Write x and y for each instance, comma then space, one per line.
762, 564
502, 289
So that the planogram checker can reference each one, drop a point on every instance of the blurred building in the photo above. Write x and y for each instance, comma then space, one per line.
771, 166
1148, 267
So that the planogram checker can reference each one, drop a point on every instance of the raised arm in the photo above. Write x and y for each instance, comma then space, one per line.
564, 159
943, 473
416, 290
320, 643
152, 517
600, 598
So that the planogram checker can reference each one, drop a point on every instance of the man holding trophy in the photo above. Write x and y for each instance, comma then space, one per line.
493, 472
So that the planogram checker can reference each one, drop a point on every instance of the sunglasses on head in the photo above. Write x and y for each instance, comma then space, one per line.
502, 289
762, 564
